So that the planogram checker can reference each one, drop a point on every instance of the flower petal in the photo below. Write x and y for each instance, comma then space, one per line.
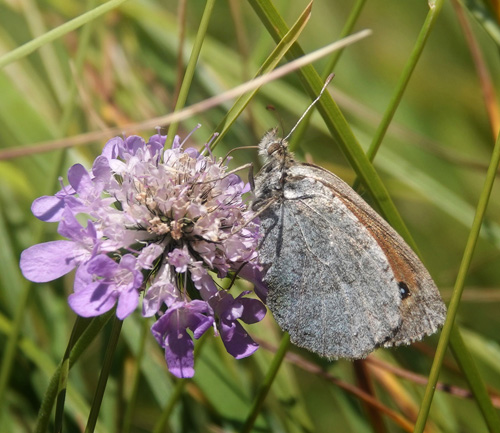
48, 208
48, 261
127, 303
93, 300
79, 179
236, 340
179, 354
253, 310
255, 275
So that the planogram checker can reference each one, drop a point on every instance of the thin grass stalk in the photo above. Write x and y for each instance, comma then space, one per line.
83, 47
269, 64
404, 79
242, 42
82, 343
179, 66
53, 34
81, 324
278, 358
476, 382
485, 80
51, 63
296, 137
484, 17
191, 69
448, 327
365, 383
42, 422
103, 377
187, 112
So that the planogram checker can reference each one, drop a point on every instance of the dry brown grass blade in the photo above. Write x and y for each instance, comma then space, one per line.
302, 363
188, 112
422, 380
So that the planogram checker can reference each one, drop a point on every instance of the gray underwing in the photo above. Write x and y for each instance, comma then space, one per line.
341, 281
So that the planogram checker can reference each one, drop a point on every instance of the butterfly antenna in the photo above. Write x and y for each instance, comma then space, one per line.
329, 78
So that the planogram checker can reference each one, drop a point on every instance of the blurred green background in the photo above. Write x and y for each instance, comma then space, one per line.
433, 161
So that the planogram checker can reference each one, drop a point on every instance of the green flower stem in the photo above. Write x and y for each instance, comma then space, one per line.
190, 70
296, 137
266, 384
83, 342
53, 34
493, 422
404, 79
81, 324
103, 377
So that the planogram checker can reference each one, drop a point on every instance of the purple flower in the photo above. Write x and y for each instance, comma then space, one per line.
229, 310
50, 260
88, 189
157, 221
171, 333
107, 282
180, 259
162, 291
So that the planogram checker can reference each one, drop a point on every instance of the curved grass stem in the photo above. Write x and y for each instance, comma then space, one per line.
449, 325
404, 79
266, 384
103, 377
190, 70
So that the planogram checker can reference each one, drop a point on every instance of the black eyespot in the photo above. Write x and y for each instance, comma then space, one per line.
404, 291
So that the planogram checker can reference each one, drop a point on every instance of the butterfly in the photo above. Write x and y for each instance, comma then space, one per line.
341, 281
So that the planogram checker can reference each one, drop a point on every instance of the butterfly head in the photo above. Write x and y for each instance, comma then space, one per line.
272, 147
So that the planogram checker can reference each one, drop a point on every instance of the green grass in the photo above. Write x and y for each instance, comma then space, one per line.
412, 87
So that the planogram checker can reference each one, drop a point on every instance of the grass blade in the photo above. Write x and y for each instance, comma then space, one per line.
449, 325
53, 34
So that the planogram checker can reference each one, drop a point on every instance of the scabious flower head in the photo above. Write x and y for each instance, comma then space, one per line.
160, 223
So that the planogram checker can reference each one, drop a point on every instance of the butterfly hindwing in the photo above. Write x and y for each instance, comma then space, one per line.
422, 311
330, 284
